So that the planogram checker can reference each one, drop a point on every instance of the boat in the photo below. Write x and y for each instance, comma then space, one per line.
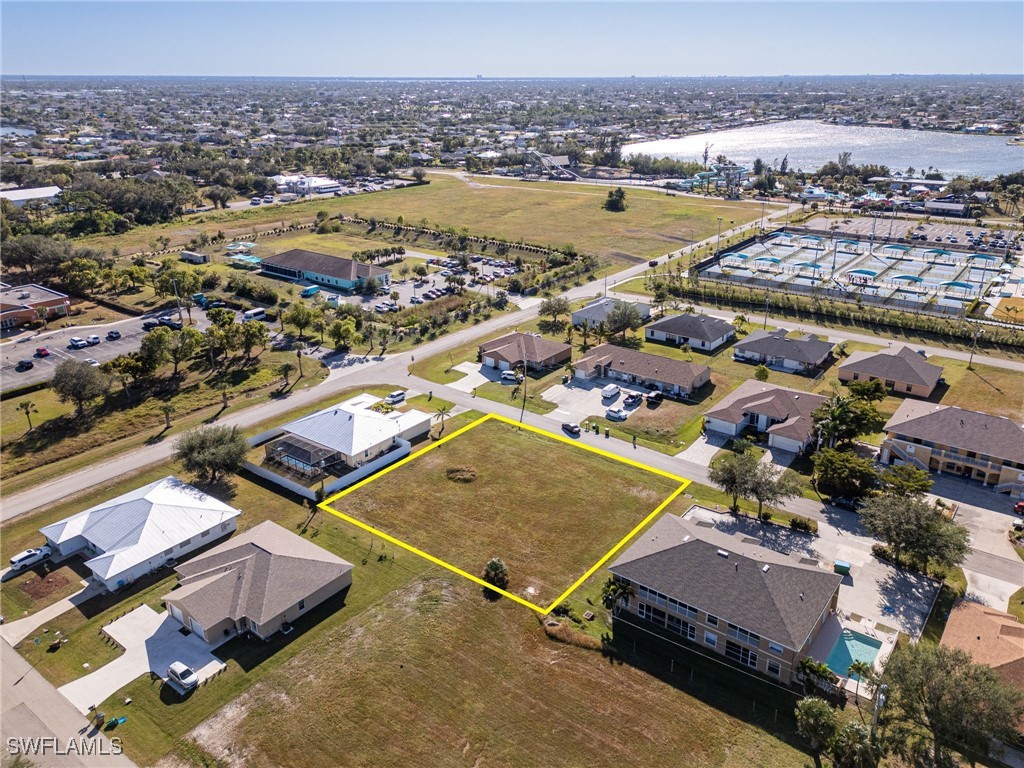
1016, 141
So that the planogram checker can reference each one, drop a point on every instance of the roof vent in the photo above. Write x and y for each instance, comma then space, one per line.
723, 553
765, 568
796, 397
801, 595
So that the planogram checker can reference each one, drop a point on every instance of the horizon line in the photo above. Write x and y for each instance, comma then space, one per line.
475, 77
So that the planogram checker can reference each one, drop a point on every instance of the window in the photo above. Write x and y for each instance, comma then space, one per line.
774, 668
910, 387
224, 526
680, 627
710, 639
738, 653
185, 543
168, 551
204, 534
683, 608
743, 635
302, 605
712, 620
774, 647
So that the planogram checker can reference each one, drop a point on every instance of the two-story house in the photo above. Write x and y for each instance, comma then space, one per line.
946, 438
757, 607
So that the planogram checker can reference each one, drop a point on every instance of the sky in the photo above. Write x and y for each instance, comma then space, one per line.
510, 39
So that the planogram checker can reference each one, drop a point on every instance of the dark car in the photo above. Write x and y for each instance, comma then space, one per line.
213, 305
654, 397
652, 263
149, 325
572, 429
24, 365
170, 322
634, 399
113, 335
843, 502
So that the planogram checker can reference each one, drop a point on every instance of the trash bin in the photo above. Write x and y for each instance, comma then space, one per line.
607, 432
565, 378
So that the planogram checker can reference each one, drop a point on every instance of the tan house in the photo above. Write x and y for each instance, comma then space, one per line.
905, 372
529, 350
945, 438
674, 377
257, 582
784, 414
757, 607
991, 637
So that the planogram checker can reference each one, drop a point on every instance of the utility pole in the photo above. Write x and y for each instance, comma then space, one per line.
880, 697
974, 344
718, 244
522, 411
177, 300
767, 300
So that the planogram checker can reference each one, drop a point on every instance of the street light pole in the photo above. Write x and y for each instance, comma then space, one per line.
718, 244
177, 300
767, 299
974, 344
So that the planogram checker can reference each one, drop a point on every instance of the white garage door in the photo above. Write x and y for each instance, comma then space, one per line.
197, 629
176, 613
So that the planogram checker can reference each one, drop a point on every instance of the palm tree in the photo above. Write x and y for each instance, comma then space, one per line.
601, 332
28, 408
585, 332
570, 369
167, 409
862, 671
569, 331
299, 346
852, 748
615, 591
369, 335
441, 415
286, 369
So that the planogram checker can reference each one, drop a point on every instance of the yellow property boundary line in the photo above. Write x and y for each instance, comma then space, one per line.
683, 483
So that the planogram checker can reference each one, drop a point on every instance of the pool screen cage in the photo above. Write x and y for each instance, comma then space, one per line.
301, 456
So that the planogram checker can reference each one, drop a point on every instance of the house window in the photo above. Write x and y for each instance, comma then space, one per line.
743, 635
738, 653
774, 647
710, 639
712, 620
168, 551
185, 543
302, 605
910, 387
204, 534
224, 526
651, 613
683, 608
774, 668
680, 627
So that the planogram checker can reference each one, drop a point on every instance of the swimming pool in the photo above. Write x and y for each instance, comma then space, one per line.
850, 647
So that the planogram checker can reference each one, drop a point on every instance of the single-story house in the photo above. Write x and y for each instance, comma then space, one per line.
991, 637
701, 332
903, 371
946, 438
139, 531
194, 257
530, 350
320, 268
22, 304
675, 377
598, 310
255, 582
18, 197
784, 414
804, 354
729, 595
346, 435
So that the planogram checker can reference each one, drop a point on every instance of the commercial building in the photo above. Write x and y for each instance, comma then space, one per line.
18, 197
30, 303
320, 268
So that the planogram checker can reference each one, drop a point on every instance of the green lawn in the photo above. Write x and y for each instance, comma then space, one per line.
531, 518
954, 586
1016, 606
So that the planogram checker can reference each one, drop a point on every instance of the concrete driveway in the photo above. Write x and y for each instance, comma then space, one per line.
579, 399
151, 641
476, 375
703, 449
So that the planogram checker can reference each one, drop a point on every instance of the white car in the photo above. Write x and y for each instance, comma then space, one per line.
511, 376
94, 363
610, 391
78, 343
93, 340
183, 675
618, 414
29, 557
396, 397
415, 300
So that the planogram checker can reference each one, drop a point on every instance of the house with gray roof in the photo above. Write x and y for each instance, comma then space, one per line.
702, 332
904, 371
785, 414
598, 310
324, 269
774, 349
529, 350
673, 377
258, 582
969, 444
726, 593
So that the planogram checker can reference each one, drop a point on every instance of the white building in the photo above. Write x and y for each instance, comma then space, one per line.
305, 185
21, 196
127, 537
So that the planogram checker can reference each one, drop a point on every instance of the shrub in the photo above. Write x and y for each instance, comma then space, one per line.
461, 474
881, 552
799, 523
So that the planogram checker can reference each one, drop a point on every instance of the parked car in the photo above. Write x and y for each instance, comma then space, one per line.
182, 674
572, 429
42, 352
654, 397
843, 502
610, 391
652, 263
94, 363
1019, 507
618, 414
632, 399
170, 322
77, 342
214, 305
149, 325
512, 376
396, 397
415, 300
113, 335
93, 340
24, 365
29, 557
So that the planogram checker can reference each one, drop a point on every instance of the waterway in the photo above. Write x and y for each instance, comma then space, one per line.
8, 130
810, 144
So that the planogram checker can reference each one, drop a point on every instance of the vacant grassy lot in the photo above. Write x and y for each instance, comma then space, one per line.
549, 510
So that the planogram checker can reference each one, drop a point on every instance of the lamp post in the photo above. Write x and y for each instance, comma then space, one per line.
718, 244
977, 335
767, 300
762, 217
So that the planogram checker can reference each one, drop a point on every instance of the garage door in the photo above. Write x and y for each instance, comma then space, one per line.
489, 362
197, 629
176, 613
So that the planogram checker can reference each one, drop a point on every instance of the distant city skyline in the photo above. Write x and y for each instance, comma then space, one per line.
510, 39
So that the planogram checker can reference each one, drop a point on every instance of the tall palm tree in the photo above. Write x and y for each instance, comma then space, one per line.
299, 346
167, 409
862, 671
816, 721
585, 332
601, 332
28, 408
441, 415
285, 369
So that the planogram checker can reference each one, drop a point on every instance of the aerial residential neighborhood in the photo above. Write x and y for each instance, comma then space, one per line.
373, 395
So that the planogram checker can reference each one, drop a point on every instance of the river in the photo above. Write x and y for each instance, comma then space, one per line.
811, 144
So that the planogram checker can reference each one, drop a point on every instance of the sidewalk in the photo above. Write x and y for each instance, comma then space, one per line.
16, 631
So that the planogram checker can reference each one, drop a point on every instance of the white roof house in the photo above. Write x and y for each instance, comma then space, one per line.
133, 534
21, 196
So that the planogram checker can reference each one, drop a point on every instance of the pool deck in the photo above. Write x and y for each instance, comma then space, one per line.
830, 635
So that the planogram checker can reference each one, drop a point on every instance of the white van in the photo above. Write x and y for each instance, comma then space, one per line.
29, 557
395, 397
612, 390
254, 314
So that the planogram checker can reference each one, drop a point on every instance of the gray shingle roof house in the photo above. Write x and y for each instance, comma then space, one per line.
757, 607
903, 371
652, 371
699, 331
771, 348
784, 413
322, 268
255, 582
529, 349
599, 309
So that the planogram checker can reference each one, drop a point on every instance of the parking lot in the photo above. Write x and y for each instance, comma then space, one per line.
960, 234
